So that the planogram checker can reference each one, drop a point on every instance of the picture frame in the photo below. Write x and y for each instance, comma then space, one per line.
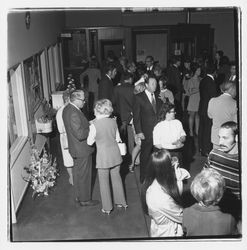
33, 83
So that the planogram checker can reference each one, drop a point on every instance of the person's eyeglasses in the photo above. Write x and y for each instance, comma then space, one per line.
83, 100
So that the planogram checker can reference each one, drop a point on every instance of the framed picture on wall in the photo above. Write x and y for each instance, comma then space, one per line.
33, 83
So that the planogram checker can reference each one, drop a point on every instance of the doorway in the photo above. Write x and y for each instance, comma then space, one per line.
151, 42
114, 45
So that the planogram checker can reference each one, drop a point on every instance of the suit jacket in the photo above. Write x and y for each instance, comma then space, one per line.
221, 109
174, 80
207, 90
77, 129
123, 97
105, 88
143, 114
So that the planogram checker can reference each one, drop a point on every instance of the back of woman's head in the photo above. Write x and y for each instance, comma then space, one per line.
160, 163
160, 168
208, 187
103, 107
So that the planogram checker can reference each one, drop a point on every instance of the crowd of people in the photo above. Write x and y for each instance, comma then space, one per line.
147, 107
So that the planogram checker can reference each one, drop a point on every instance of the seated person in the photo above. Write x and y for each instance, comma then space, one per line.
169, 133
161, 195
205, 218
225, 160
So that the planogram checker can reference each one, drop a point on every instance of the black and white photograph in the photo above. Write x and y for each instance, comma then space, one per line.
125, 124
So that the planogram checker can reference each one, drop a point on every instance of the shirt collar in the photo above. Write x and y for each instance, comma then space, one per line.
149, 94
210, 76
74, 105
226, 94
108, 76
98, 117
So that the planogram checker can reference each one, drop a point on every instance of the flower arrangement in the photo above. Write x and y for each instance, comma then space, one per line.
43, 172
43, 124
70, 83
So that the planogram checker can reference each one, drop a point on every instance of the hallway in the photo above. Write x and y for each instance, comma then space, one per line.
58, 218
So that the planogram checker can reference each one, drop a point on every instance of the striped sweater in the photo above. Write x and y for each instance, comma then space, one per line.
228, 166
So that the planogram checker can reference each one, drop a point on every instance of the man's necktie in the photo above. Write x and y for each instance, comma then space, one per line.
153, 102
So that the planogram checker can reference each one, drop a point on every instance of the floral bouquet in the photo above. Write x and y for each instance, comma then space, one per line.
70, 83
43, 172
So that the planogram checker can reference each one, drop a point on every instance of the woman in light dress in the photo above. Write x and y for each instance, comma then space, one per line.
194, 99
67, 159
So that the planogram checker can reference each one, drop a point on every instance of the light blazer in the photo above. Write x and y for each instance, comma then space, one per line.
221, 109
77, 129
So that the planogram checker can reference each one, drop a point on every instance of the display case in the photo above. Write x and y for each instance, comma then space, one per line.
192, 40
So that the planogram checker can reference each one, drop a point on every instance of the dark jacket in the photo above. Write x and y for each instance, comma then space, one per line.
208, 90
77, 129
123, 97
144, 116
105, 88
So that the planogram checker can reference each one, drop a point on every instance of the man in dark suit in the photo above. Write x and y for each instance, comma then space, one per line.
77, 128
208, 90
145, 114
106, 84
149, 61
123, 96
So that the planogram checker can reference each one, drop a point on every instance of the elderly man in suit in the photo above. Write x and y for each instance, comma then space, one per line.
106, 85
222, 109
145, 115
77, 129
208, 90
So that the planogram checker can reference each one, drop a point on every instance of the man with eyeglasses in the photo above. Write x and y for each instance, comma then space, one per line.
149, 61
77, 129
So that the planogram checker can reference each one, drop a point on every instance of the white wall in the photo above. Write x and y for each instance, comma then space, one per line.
22, 43
44, 30
223, 25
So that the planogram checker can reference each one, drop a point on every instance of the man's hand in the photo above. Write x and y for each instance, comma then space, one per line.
141, 136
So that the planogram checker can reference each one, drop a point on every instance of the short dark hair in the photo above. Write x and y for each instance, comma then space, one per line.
232, 125
220, 52
175, 59
210, 68
127, 75
110, 67
194, 67
149, 57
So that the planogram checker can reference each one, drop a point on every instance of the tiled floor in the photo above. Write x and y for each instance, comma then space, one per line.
57, 217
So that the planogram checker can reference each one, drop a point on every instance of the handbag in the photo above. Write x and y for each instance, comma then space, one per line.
122, 148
